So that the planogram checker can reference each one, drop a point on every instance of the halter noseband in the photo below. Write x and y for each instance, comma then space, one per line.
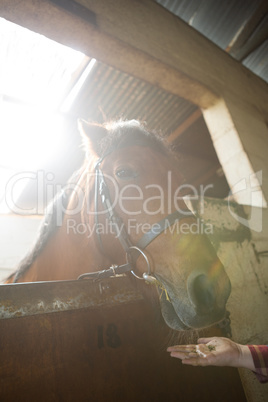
132, 251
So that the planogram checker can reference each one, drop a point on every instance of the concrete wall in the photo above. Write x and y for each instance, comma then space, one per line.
239, 234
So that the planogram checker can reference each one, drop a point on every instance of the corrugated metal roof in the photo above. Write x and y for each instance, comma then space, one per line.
256, 61
109, 94
223, 21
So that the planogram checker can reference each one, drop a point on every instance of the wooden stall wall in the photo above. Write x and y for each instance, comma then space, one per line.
95, 341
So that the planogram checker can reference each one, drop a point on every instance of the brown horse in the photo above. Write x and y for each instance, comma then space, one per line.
124, 211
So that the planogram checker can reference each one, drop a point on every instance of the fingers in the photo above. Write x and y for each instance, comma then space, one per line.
180, 355
182, 351
182, 348
191, 359
189, 348
208, 352
195, 355
188, 351
201, 350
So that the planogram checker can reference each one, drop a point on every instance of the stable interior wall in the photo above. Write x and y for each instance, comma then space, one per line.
240, 248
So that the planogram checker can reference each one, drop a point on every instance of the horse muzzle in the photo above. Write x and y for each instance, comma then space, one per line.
200, 305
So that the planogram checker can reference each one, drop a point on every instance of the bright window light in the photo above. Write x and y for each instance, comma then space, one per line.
34, 68
66, 106
36, 76
29, 136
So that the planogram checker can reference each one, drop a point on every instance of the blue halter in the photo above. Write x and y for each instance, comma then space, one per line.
132, 251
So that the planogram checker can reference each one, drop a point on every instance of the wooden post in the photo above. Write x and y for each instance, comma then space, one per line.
241, 156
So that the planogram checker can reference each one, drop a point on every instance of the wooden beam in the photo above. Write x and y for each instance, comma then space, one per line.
241, 45
186, 124
95, 40
151, 29
145, 40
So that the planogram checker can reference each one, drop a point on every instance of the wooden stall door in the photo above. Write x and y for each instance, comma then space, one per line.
103, 353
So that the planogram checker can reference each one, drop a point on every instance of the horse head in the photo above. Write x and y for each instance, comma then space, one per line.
125, 208
146, 220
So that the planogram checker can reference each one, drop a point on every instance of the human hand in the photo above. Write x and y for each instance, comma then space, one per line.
215, 351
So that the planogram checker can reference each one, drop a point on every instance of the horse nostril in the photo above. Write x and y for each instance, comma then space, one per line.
202, 293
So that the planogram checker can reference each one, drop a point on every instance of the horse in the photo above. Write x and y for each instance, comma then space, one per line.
123, 212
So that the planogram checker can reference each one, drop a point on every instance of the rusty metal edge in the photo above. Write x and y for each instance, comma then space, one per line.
25, 299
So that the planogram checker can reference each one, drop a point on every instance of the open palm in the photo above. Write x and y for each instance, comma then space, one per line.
213, 351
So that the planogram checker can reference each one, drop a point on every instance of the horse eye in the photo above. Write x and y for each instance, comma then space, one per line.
126, 173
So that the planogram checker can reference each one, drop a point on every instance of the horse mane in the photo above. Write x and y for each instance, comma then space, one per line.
120, 134
131, 132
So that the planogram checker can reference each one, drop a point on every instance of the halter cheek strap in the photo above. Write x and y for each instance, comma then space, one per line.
133, 252
102, 189
162, 226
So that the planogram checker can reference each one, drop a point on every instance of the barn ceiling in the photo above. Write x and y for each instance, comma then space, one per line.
239, 27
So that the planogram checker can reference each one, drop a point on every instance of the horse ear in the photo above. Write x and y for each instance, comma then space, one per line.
92, 134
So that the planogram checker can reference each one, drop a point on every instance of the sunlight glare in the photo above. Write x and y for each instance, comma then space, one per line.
28, 136
34, 68
36, 76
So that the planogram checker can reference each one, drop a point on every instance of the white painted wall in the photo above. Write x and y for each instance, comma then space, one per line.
235, 240
17, 234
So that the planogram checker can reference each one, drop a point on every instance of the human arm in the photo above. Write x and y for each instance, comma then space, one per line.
215, 351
